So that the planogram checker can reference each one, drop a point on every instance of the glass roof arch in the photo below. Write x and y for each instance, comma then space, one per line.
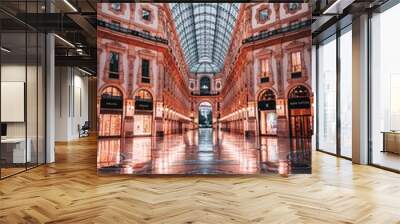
205, 32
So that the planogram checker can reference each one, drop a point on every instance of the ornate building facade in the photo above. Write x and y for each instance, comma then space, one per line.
146, 86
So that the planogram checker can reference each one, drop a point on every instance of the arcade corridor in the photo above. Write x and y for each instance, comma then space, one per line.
204, 89
203, 151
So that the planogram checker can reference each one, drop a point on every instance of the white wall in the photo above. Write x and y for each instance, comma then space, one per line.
71, 102
33, 126
16, 73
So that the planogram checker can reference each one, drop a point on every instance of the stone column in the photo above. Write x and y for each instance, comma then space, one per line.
128, 121
159, 106
281, 100
251, 129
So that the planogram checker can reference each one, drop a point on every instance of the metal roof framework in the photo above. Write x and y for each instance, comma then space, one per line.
205, 32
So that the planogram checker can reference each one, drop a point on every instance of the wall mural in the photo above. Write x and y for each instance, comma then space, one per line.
210, 88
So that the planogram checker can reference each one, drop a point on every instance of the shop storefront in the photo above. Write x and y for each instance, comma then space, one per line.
300, 113
111, 113
267, 113
143, 117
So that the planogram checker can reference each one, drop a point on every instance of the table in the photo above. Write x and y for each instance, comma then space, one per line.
15, 148
391, 141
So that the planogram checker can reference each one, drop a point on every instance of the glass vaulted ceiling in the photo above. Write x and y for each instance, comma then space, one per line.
205, 32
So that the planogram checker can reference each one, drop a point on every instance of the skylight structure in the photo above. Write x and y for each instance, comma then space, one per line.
205, 32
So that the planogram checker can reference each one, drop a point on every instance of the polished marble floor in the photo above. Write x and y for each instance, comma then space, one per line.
203, 151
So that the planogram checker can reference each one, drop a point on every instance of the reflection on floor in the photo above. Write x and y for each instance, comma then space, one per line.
203, 151
386, 159
11, 169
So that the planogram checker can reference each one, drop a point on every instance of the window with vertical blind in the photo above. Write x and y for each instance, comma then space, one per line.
265, 70
114, 66
296, 63
264, 67
145, 71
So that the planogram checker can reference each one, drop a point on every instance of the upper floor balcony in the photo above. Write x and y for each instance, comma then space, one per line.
286, 29
144, 35
205, 93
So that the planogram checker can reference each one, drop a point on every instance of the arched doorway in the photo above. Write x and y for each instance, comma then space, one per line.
205, 85
111, 111
205, 115
267, 113
300, 116
143, 117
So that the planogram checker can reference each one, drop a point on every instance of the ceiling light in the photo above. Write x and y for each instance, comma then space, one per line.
70, 5
337, 7
86, 72
5, 50
65, 41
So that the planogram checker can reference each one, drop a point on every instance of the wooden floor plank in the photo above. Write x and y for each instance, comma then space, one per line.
70, 191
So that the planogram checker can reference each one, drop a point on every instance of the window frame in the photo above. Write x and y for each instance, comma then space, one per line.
111, 66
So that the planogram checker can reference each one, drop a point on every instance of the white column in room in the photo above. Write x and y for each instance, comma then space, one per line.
50, 104
360, 90
345, 92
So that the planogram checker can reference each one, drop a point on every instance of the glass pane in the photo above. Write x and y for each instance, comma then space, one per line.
41, 99
327, 96
385, 84
346, 94
31, 98
13, 84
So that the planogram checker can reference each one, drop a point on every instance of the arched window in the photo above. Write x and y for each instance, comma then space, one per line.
143, 95
299, 92
116, 6
143, 101
205, 84
111, 109
111, 98
111, 91
294, 7
267, 95
267, 100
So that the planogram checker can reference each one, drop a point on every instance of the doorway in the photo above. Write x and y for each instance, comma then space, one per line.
300, 116
267, 113
205, 115
111, 110
143, 118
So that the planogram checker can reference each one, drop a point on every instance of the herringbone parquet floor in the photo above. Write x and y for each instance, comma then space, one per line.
70, 191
